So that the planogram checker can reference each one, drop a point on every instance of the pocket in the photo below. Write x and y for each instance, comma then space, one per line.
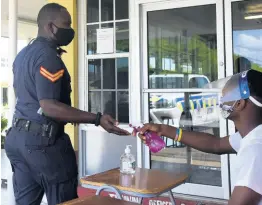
36, 140
55, 163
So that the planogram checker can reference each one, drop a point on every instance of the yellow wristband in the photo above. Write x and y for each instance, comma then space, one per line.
180, 135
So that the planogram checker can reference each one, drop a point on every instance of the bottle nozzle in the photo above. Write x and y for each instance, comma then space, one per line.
128, 150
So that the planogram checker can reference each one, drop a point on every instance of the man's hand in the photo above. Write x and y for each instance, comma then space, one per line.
158, 128
110, 125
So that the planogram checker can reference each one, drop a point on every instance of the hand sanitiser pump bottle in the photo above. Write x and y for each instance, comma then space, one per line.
153, 141
127, 162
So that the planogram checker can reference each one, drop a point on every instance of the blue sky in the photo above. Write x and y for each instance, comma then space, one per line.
248, 43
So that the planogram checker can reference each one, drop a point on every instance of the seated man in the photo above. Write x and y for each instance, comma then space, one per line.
241, 103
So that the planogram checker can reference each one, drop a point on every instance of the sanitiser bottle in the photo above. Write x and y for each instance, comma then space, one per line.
127, 162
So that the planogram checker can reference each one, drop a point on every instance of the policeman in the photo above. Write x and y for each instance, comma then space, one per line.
41, 154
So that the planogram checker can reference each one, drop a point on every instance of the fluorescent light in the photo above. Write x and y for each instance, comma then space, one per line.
254, 17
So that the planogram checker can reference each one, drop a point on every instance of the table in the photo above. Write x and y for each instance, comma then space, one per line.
97, 200
145, 183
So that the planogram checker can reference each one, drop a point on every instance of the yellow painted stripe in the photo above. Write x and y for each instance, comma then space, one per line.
179, 106
204, 103
191, 104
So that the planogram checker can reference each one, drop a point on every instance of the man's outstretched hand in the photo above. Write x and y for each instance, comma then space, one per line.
110, 125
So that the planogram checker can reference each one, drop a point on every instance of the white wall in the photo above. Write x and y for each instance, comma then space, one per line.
102, 150
25, 30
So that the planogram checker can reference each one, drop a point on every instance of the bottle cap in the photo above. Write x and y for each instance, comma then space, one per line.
127, 150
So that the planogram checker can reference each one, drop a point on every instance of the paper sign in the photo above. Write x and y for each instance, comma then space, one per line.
105, 40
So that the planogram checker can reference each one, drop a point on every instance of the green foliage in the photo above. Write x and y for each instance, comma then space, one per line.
4, 123
198, 52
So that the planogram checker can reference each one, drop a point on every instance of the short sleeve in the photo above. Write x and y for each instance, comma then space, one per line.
235, 141
48, 77
249, 174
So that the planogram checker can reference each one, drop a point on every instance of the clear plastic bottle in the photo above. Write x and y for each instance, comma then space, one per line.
127, 162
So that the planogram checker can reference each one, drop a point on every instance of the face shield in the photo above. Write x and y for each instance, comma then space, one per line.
233, 88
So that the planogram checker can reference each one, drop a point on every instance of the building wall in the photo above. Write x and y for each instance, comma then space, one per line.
70, 60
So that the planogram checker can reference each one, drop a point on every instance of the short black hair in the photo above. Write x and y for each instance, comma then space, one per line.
254, 79
47, 13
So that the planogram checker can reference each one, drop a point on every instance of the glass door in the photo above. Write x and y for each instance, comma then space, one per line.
243, 27
183, 50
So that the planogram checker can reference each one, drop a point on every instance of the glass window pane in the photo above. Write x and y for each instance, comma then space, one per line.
94, 101
92, 11
91, 39
122, 11
109, 74
122, 37
94, 74
122, 73
182, 55
4, 96
109, 103
123, 107
192, 111
107, 10
247, 35
107, 25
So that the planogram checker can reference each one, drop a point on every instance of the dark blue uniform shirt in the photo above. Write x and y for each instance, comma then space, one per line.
39, 73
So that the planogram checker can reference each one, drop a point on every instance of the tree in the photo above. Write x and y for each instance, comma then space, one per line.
3, 126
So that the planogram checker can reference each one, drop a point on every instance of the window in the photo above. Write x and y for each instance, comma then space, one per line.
4, 96
108, 74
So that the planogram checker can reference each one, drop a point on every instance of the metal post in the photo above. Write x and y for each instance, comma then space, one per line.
11, 96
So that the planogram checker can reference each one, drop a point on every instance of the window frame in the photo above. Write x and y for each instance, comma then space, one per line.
102, 57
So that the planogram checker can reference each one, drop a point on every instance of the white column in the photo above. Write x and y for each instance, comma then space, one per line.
11, 96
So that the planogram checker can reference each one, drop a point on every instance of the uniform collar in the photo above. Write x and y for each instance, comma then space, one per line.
51, 43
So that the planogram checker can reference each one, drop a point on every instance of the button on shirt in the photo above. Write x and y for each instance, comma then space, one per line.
248, 163
39, 73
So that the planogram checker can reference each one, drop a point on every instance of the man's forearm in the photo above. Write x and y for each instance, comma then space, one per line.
201, 141
65, 113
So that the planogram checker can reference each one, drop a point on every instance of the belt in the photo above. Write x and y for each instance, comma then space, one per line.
48, 130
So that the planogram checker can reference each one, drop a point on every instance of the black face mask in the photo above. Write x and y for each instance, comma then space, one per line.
64, 36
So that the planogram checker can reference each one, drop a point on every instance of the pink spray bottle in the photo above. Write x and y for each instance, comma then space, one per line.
153, 141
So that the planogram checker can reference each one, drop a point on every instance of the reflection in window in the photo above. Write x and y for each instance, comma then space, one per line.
94, 74
110, 95
122, 37
108, 77
4, 96
109, 74
122, 73
178, 47
91, 39
182, 53
110, 103
107, 12
122, 10
203, 116
247, 46
94, 102
92, 11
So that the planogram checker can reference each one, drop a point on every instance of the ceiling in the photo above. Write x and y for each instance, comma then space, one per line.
27, 14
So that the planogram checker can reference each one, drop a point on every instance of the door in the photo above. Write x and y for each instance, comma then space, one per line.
183, 50
243, 45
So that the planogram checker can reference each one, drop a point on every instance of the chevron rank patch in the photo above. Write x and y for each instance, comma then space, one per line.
53, 77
